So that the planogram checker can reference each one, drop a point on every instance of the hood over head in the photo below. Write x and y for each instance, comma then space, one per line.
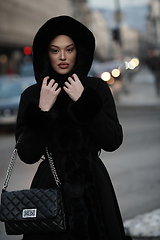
63, 25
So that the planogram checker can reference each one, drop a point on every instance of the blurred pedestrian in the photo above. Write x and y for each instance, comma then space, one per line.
75, 117
154, 64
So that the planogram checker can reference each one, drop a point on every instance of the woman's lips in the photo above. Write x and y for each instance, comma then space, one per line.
63, 65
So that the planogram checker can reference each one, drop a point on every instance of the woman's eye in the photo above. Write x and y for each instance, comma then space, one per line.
70, 49
54, 50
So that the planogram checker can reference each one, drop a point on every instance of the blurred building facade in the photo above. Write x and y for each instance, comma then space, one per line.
20, 20
102, 33
154, 24
130, 40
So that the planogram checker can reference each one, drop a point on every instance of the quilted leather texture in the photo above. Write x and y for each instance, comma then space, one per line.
49, 211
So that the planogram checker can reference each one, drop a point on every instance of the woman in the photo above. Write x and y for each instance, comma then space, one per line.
75, 116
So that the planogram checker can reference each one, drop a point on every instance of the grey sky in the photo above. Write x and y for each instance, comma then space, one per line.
111, 3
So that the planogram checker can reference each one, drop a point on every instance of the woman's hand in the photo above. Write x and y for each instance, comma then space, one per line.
74, 87
48, 94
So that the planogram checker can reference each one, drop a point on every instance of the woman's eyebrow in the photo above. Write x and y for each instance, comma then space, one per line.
54, 46
66, 46
70, 45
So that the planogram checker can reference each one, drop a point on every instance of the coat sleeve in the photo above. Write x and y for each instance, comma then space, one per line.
95, 109
34, 127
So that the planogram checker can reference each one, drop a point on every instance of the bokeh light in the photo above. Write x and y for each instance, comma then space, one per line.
106, 76
116, 72
3, 58
126, 65
27, 50
136, 61
132, 65
110, 81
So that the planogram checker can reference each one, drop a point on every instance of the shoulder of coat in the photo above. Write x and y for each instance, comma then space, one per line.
32, 90
95, 82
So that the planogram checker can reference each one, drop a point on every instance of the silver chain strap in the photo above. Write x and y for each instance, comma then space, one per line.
9, 169
13, 160
52, 167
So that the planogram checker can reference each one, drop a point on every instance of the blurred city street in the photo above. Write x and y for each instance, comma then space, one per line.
134, 167
140, 90
139, 111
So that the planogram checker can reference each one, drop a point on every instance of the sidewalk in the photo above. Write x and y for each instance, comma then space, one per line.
141, 93
144, 226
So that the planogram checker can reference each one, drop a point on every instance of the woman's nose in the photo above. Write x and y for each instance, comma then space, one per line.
62, 55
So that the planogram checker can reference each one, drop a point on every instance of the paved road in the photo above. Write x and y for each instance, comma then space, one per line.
134, 167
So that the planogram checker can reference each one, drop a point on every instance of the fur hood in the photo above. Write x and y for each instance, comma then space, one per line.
63, 25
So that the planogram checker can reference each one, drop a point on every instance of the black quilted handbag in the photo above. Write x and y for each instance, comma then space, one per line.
32, 210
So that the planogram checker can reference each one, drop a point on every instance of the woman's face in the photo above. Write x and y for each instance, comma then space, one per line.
62, 54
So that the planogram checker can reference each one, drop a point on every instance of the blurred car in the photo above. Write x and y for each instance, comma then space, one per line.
10, 92
100, 67
26, 70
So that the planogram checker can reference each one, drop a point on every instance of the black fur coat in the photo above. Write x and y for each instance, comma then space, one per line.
75, 132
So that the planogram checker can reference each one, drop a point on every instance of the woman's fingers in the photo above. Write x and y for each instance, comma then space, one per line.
71, 80
51, 83
44, 83
67, 84
75, 77
58, 91
48, 95
45, 79
73, 87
